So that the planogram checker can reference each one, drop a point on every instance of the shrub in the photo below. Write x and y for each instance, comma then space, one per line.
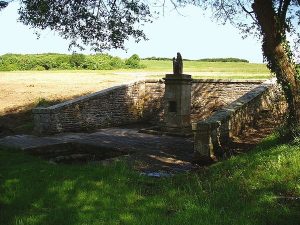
77, 60
133, 62
39, 68
117, 63
42, 102
65, 66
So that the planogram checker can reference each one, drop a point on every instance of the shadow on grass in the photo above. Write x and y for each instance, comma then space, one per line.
242, 190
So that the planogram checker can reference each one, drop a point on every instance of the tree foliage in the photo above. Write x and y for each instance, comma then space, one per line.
101, 24
3, 4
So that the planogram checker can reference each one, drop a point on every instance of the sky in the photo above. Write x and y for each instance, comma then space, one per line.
194, 35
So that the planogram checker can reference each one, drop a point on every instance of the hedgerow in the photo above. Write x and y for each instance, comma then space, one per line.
223, 60
53, 61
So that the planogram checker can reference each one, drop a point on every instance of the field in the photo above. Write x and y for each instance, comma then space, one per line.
22, 89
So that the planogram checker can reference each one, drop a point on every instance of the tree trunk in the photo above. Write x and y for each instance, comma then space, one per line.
275, 49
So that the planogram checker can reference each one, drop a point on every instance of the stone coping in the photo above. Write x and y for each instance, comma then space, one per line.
177, 77
223, 114
87, 97
233, 81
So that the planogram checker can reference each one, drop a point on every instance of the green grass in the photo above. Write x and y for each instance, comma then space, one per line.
256, 188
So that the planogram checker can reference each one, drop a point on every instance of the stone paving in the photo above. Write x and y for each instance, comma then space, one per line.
146, 152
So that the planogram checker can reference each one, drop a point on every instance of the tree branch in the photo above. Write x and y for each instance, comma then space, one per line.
222, 8
248, 12
280, 6
284, 9
176, 7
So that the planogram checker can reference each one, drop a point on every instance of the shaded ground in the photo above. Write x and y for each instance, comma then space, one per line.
264, 126
146, 152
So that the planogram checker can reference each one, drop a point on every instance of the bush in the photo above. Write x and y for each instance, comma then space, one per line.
65, 66
133, 62
42, 102
103, 62
39, 68
77, 60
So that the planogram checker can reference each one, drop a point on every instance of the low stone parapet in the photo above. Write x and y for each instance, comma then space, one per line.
119, 105
211, 134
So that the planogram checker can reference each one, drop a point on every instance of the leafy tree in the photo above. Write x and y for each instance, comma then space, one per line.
105, 24
133, 62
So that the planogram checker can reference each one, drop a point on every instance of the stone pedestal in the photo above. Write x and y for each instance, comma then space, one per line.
177, 110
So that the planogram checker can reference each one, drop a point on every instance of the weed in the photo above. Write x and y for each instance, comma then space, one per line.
42, 102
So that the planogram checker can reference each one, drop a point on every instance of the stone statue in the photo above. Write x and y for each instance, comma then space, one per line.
177, 64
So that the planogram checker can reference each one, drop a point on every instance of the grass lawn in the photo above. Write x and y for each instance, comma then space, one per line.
261, 187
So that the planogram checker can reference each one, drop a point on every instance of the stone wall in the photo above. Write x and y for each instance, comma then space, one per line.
140, 101
114, 106
209, 95
216, 131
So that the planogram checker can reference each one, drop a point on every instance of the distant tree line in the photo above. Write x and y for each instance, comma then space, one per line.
54, 61
201, 60
223, 60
